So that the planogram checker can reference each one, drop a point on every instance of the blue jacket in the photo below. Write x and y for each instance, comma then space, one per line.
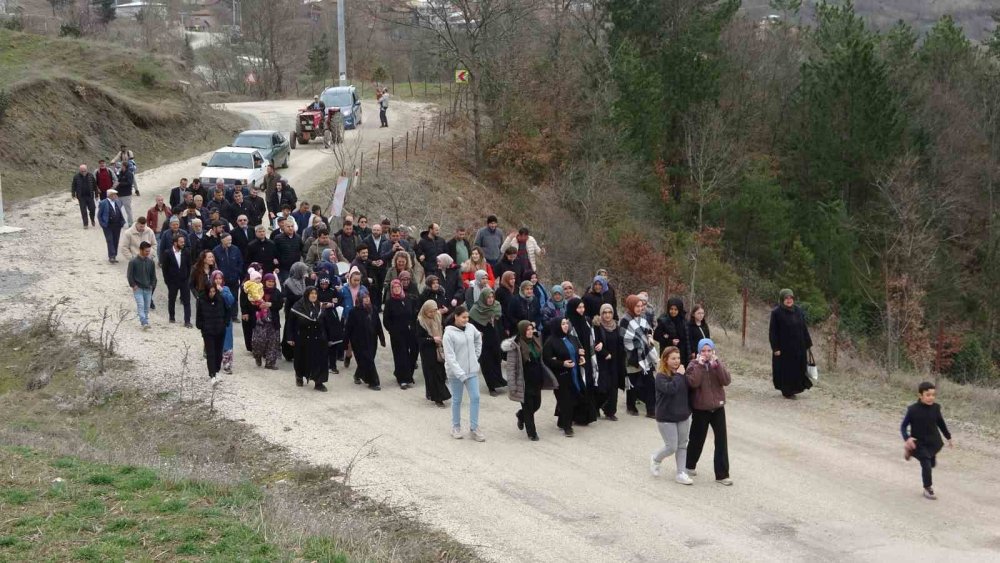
166, 239
302, 219
230, 262
104, 214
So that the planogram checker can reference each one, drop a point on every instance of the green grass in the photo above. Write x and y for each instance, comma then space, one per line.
105, 512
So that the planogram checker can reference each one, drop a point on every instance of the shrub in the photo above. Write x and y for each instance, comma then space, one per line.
147, 78
69, 30
4, 103
972, 364
14, 23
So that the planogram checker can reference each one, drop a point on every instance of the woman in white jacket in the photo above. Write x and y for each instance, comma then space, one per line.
462, 346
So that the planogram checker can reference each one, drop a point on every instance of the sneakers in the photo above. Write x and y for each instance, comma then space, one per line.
727, 482
478, 435
456, 433
215, 381
654, 467
929, 494
691, 473
683, 479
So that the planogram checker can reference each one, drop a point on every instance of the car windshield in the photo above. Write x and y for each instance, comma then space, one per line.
231, 160
340, 99
253, 141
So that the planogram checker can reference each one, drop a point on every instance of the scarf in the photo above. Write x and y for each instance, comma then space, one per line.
573, 354
296, 282
484, 314
579, 323
396, 290
525, 285
482, 281
636, 341
609, 325
305, 308
430, 319
531, 350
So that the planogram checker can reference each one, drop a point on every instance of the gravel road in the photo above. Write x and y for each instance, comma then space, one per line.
814, 479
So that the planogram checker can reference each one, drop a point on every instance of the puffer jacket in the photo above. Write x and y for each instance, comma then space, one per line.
461, 352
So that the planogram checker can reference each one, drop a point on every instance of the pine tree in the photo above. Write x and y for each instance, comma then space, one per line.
105, 10
319, 59
799, 275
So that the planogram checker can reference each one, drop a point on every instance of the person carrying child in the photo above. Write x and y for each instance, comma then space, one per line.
920, 430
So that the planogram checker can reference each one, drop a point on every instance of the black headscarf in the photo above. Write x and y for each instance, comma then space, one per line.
305, 308
578, 321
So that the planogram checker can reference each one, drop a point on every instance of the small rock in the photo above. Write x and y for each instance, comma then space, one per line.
58, 480
287, 429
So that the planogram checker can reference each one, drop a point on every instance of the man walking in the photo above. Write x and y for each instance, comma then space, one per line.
106, 179
229, 260
141, 275
111, 219
490, 238
158, 215
383, 106
126, 185
84, 190
175, 263
431, 245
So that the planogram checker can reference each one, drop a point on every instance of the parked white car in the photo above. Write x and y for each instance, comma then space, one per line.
234, 163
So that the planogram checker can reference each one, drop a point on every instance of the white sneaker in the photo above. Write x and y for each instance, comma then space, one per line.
477, 435
456, 433
725, 482
654, 467
683, 479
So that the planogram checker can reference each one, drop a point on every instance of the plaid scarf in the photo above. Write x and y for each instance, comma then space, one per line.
637, 333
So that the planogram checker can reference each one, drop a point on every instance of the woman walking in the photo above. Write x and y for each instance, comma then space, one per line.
671, 328
790, 344
479, 282
476, 263
430, 337
307, 336
673, 414
350, 296
364, 333
555, 309
219, 281
266, 345
329, 298
564, 357
506, 289
399, 320
433, 292
248, 318
697, 329
526, 376
708, 379
295, 287
485, 315
582, 328
201, 273
211, 319
462, 346
641, 358
401, 262
609, 348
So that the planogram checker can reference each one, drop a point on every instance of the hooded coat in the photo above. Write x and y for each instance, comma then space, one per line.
789, 335
670, 328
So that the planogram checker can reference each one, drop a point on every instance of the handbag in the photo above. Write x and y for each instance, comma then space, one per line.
812, 372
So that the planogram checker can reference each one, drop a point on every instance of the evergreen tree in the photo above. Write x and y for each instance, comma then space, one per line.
319, 59
105, 10
799, 274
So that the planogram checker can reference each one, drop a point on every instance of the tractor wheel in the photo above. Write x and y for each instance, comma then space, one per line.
292, 140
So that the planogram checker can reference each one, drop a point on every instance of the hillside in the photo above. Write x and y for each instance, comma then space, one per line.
73, 101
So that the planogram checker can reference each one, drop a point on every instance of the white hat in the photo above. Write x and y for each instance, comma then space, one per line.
112, 191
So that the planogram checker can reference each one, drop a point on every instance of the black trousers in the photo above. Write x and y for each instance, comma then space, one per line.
644, 390
213, 352
700, 421
112, 235
333, 353
609, 400
532, 402
87, 208
927, 463
401, 358
382, 118
234, 288
173, 291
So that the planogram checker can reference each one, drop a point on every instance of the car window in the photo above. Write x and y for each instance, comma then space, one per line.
253, 141
278, 139
337, 99
231, 160
258, 160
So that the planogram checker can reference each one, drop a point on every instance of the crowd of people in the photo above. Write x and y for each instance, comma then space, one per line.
462, 310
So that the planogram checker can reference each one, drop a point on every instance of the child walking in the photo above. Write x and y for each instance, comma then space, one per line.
920, 432
673, 414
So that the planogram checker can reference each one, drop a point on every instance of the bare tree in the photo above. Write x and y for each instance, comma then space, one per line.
272, 44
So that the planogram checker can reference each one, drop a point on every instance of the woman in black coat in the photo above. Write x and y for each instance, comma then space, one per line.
308, 338
610, 351
521, 307
399, 320
581, 327
486, 316
561, 353
433, 292
697, 329
671, 328
430, 331
329, 298
211, 319
790, 344
364, 333
295, 286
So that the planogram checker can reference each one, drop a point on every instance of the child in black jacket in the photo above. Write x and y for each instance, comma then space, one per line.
920, 431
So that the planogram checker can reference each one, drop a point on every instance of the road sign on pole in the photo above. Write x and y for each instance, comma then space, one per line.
461, 76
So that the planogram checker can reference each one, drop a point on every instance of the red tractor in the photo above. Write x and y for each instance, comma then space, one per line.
311, 124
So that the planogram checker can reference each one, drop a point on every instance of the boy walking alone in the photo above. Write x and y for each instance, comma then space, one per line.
920, 431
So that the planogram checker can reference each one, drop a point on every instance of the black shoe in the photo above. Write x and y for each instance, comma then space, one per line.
271, 367
633, 412
533, 438
611, 417
188, 325
440, 405
152, 306
520, 420
650, 415
320, 387
494, 392
171, 321
568, 432
376, 388
335, 371
298, 381
357, 381
347, 362
258, 361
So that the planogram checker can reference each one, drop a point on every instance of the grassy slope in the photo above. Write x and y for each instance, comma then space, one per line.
74, 101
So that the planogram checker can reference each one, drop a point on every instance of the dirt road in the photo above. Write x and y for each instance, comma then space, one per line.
814, 479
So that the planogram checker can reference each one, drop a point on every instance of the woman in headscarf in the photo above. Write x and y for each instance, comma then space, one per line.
582, 329
265, 345
413, 298
474, 289
211, 319
350, 295
596, 296
401, 262
433, 292
526, 376
219, 281
308, 339
609, 295
523, 307
327, 267
671, 328
295, 286
430, 332
201, 273
610, 351
556, 307
248, 316
364, 332
485, 316
409, 288
506, 289
472, 266
697, 328
398, 316
541, 294
329, 298
790, 344
451, 280
641, 358
563, 355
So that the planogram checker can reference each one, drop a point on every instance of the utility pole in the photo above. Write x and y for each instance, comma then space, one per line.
341, 43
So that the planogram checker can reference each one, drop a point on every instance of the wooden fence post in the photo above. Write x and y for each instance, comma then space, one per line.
392, 155
746, 298
378, 157
361, 168
406, 153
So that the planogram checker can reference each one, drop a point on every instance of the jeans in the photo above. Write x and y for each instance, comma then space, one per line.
172, 293
675, 441
126, 202
112, 235
457, 386
700, 421
87, 208
143, 297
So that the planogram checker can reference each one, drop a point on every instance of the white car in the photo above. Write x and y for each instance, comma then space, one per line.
234, 163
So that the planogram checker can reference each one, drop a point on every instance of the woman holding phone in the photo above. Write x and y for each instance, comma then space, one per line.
708, 379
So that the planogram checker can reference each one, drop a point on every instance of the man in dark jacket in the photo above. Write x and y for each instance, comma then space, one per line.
84, 190
141, 275
288, 250
283, 195
177, 194
126, 187
348, 241
257, 207
459, 248
428, 249
229, 260
379, 253
112, 219
197, 188
167, 235
175, 263
239, 206
262, 250
242, 235
509, 262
